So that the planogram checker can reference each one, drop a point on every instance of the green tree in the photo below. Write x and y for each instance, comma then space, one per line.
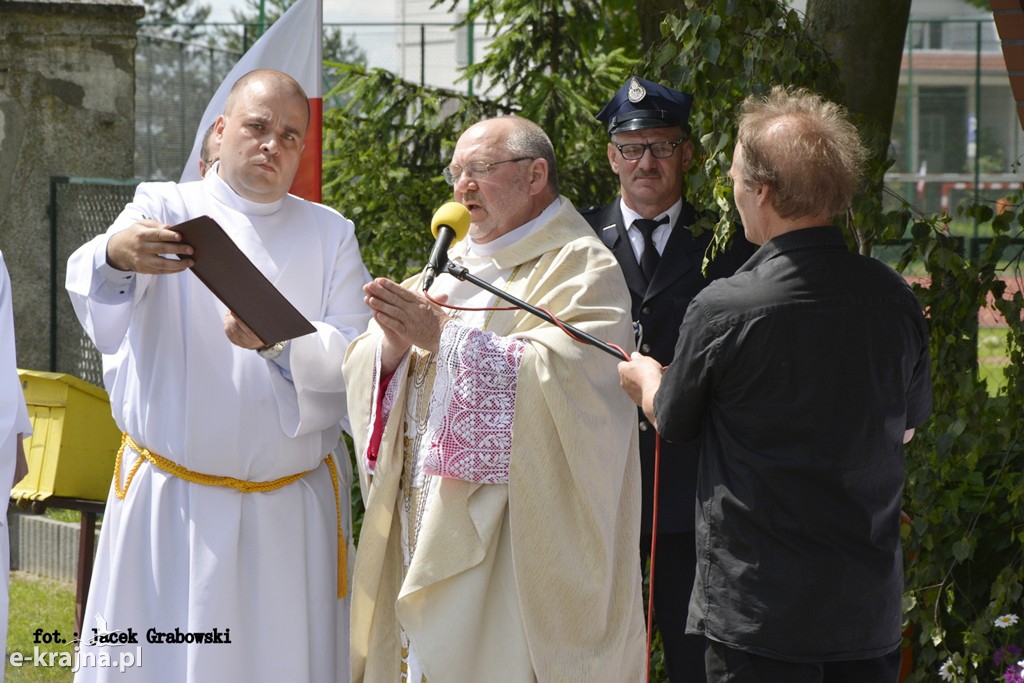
175, 19
384, 152
558, 62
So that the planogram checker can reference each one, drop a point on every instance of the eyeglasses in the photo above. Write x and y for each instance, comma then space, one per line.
659, 150
475, 170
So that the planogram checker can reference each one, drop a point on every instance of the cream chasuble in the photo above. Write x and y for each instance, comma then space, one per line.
536, 579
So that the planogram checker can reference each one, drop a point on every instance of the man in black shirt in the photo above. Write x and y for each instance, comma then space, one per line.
802, 376
649, 229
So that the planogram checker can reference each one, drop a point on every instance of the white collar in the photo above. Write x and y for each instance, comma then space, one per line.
514, 235
216, 186
629, 215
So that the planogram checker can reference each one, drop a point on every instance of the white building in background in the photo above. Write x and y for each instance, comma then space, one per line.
955, 129
431, 51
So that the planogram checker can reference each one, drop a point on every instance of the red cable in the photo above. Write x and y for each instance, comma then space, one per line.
554, 319
654, 544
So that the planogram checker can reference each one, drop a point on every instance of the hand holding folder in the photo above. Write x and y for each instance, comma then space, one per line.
239, 285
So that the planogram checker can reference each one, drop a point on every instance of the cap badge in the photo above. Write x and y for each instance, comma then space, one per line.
636, 91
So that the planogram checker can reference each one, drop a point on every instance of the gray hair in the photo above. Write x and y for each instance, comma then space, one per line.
527, 139
804, 148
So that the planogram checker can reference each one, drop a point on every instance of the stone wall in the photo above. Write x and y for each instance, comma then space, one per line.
67, 108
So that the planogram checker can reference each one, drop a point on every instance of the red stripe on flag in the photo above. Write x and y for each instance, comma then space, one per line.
309, 179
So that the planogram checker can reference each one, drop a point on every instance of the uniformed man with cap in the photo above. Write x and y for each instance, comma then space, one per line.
648, 230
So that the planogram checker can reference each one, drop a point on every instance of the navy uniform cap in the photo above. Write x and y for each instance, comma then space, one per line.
641, 104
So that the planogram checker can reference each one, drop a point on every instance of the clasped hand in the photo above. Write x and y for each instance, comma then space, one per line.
407, 319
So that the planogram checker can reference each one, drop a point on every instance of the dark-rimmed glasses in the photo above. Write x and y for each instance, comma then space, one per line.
659, 150
475, 170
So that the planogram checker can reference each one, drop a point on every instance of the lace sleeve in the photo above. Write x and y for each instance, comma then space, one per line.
473, 405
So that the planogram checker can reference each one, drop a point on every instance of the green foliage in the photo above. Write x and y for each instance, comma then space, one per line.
721, 51
383, 155
384, 151
965, 468
557, 63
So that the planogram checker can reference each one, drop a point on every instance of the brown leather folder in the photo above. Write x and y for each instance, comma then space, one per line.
240, 286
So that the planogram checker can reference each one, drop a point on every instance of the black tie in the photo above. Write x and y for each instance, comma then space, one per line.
649, 259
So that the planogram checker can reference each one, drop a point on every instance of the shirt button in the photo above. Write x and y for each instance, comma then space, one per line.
645, 348
644, 425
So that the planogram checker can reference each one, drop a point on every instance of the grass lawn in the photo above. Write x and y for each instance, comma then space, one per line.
38, 603
992, 357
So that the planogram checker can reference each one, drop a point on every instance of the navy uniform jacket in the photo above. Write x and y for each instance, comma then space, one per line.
659, 309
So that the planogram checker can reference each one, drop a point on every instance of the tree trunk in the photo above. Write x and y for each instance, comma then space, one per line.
866, 38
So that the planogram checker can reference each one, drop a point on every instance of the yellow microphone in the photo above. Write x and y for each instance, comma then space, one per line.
449, 225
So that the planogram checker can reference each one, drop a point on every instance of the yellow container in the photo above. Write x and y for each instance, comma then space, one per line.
74, 439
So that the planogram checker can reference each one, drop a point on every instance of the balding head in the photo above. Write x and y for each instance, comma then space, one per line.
269, 78
518, 181
803, 147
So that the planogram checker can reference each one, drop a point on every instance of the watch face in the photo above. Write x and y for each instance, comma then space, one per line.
271, 351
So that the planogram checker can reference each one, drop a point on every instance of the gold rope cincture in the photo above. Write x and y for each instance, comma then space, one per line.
241, 485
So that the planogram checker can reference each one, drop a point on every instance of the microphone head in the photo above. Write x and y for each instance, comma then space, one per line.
453, 215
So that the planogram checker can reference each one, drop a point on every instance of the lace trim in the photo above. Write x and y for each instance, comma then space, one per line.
473, 405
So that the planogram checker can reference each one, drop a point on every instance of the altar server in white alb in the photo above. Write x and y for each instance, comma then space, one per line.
14, 427
223, 518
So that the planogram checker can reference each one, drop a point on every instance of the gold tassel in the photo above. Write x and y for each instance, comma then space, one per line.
342, 545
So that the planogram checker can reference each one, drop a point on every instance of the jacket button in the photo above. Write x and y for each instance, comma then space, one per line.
646, 310
645, 348
644, 425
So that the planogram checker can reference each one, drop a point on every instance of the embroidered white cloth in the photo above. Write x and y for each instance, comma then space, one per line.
472, 407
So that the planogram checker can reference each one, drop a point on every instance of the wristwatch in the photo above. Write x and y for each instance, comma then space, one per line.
272, 351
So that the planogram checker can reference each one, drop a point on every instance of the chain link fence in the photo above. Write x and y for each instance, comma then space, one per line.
80, 209
174, 82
